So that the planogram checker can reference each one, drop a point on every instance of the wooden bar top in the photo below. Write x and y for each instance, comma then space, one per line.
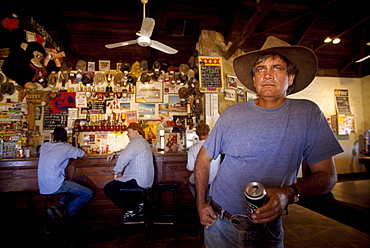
20, 174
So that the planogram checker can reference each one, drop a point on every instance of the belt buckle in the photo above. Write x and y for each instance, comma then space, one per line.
240, 221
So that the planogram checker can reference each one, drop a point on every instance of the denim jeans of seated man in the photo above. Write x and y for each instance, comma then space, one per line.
222, 233
83, 195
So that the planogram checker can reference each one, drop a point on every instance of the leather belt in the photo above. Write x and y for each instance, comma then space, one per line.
219, 211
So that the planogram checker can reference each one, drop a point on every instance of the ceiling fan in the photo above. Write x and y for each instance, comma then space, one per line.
364, 58
144, 34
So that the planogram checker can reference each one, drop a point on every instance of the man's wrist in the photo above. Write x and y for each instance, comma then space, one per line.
296, 195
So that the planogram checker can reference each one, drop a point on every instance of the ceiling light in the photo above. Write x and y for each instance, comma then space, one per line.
336, 41
328, 40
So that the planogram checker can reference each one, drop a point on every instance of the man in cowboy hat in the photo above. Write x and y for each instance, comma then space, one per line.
265, 140
134, 169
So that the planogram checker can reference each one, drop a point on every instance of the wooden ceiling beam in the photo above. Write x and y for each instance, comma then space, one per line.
260, 14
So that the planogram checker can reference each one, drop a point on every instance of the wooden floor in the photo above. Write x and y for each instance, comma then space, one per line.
347, 225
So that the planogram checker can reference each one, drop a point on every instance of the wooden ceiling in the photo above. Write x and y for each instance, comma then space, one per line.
82, 28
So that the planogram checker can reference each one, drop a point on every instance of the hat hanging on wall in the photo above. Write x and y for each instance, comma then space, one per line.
7, 88
144, 66
184, 92
81, 66
126, 67
99, 78
87, 78
118, 79
131, 79
145, 78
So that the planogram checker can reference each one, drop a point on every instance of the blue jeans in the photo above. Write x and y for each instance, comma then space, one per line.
223, 234
83, 196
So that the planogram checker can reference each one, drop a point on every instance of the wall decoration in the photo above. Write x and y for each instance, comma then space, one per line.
63, 101
230, 94
176, 105
81, 100
131, 116
163, 110
342, 101
90, 66
104, 65
150, 93
124, 106
210, 74
147, 111
232, 82
251, 96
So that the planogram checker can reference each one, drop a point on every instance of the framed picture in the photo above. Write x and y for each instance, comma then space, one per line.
230, 94
104, 65
176, 104
90, 66
232, 82
147, 111
149, 93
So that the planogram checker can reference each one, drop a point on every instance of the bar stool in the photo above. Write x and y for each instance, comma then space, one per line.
141, 218
161, 203
54, 199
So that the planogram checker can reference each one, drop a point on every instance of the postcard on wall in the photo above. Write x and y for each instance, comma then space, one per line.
90, 66
131, 116
124, 106
81, 100
73, 113
147, 111
104, 65
230, 94
176, 105
231, 82
163, 110
150, 93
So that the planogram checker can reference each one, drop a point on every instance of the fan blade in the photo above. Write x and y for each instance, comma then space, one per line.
119, 44
162, 47
365, 58
147, 27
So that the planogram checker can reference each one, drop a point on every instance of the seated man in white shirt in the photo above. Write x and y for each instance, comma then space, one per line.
202, 131
134, 169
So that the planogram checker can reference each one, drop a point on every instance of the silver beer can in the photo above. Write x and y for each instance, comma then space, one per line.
255, 194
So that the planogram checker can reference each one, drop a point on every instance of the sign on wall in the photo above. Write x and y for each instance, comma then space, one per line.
210, 74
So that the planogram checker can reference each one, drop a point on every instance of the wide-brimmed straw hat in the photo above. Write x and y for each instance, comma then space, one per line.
135, 126
302, 57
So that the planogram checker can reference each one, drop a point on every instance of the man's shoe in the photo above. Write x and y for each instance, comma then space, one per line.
55, 216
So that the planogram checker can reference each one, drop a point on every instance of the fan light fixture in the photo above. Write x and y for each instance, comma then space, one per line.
334, 41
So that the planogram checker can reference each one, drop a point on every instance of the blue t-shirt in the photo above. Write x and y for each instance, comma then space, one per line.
266, 145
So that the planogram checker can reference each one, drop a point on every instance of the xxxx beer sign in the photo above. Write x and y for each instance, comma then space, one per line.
210, 74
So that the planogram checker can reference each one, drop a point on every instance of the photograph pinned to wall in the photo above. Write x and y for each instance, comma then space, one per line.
104, 65
149, 93
124, 106
90, 66
118, 66
251, 95
131, 116
169, 87
179, 123
232, 82
176, 105
240, 94
163, 110
73, 113
147, 111
38, 112
230, 95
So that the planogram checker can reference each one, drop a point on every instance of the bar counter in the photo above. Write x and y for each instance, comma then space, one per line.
20, 174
